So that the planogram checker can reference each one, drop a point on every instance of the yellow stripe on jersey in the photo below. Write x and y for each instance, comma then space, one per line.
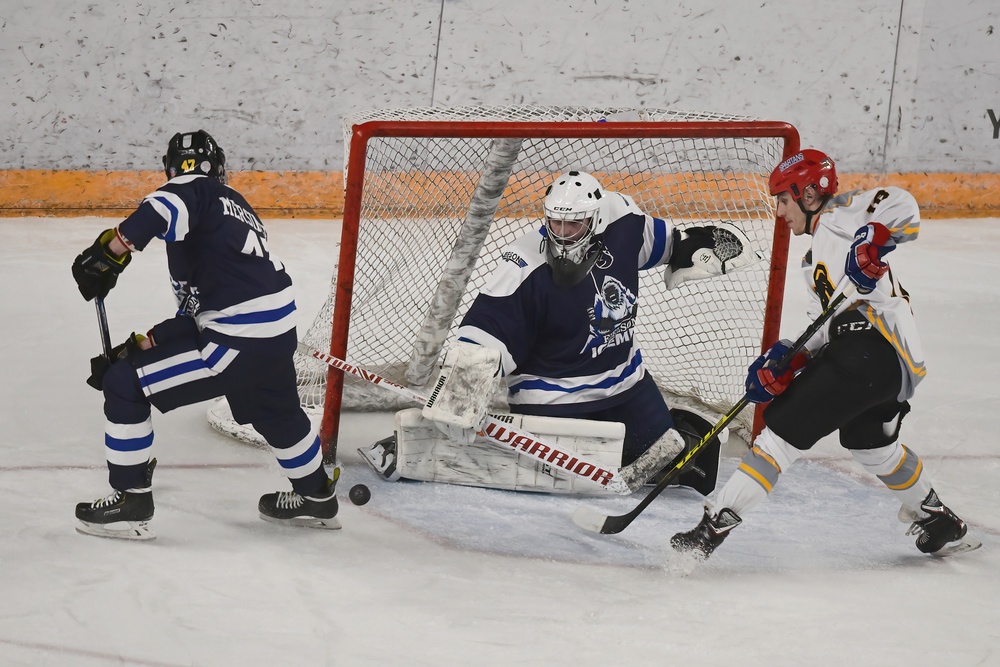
917, 368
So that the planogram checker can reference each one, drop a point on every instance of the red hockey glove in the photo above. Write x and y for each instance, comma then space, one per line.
764, 382
864, 262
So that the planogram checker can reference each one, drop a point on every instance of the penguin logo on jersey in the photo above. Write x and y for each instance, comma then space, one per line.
612, 319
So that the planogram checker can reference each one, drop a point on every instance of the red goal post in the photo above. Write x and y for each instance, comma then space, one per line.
416, 186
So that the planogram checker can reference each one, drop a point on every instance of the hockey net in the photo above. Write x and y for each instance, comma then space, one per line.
434, 195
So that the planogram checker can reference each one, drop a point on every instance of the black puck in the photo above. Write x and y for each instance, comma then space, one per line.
360, 494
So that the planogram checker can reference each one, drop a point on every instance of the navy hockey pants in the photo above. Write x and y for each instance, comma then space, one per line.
258, 381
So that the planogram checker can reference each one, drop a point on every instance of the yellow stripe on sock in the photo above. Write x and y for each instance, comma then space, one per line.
756, 476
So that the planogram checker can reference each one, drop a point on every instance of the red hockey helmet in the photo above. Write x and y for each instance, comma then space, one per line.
809, 167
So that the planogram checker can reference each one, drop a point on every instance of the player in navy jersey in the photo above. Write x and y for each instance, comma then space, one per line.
233, 336
561, 310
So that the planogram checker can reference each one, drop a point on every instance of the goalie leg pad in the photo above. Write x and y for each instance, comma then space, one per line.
653, 460
424, 453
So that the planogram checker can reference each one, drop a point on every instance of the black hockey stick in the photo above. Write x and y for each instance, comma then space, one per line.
597, 522
102, 323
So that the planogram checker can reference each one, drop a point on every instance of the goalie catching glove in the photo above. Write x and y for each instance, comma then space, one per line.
96, 269
764, 381
462, 393
706, 252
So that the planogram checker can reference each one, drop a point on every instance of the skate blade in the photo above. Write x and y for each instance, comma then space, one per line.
306, 522
963, 545
119, 530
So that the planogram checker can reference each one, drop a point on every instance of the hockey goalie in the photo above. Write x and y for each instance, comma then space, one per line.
553, 330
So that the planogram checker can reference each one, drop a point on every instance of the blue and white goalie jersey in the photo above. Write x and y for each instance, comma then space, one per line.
220, 267
570, 350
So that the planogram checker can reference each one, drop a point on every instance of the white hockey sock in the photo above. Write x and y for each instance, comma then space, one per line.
900, 469
757, 474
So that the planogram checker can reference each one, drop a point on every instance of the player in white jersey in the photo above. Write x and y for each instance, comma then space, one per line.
560, 311
233, 335
856, 375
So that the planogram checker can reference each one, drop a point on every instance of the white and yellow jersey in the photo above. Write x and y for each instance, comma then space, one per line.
888, 306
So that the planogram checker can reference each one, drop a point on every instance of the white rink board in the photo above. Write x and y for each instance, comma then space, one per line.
895, 86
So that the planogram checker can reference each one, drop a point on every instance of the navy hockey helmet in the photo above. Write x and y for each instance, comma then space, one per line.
195, 153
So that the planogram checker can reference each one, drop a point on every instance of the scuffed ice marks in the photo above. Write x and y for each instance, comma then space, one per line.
818, 518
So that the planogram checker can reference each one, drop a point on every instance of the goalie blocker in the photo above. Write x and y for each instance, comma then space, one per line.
418, 450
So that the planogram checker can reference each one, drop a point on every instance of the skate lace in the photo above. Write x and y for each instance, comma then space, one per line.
289, 500
107, 500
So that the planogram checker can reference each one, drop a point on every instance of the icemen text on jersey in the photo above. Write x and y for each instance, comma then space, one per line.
229, 281
570, 349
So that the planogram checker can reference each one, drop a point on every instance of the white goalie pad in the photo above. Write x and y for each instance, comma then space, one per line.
424, 453
732, 252
465, 385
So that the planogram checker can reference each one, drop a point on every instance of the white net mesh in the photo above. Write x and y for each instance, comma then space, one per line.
697, 339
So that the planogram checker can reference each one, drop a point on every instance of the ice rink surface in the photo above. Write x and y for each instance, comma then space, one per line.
821, 575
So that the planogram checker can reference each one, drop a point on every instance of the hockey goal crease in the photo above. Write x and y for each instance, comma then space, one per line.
434, 195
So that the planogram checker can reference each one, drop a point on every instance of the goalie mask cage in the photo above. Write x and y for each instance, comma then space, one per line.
434, 195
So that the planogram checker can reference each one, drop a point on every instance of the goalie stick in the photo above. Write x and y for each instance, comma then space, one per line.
500, 433
596, 522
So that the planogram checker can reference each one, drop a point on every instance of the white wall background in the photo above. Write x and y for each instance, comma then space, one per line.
884, 85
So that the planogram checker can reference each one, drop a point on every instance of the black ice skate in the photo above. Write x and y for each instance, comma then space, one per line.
316, 511
121, 514
707, 535
382, 457
936, 532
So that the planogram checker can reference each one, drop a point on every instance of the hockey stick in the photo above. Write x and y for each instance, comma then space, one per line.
596, 522
498, 432
102, 323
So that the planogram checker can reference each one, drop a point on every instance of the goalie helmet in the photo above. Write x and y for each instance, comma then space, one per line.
195, 153
574, 222
808, 167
